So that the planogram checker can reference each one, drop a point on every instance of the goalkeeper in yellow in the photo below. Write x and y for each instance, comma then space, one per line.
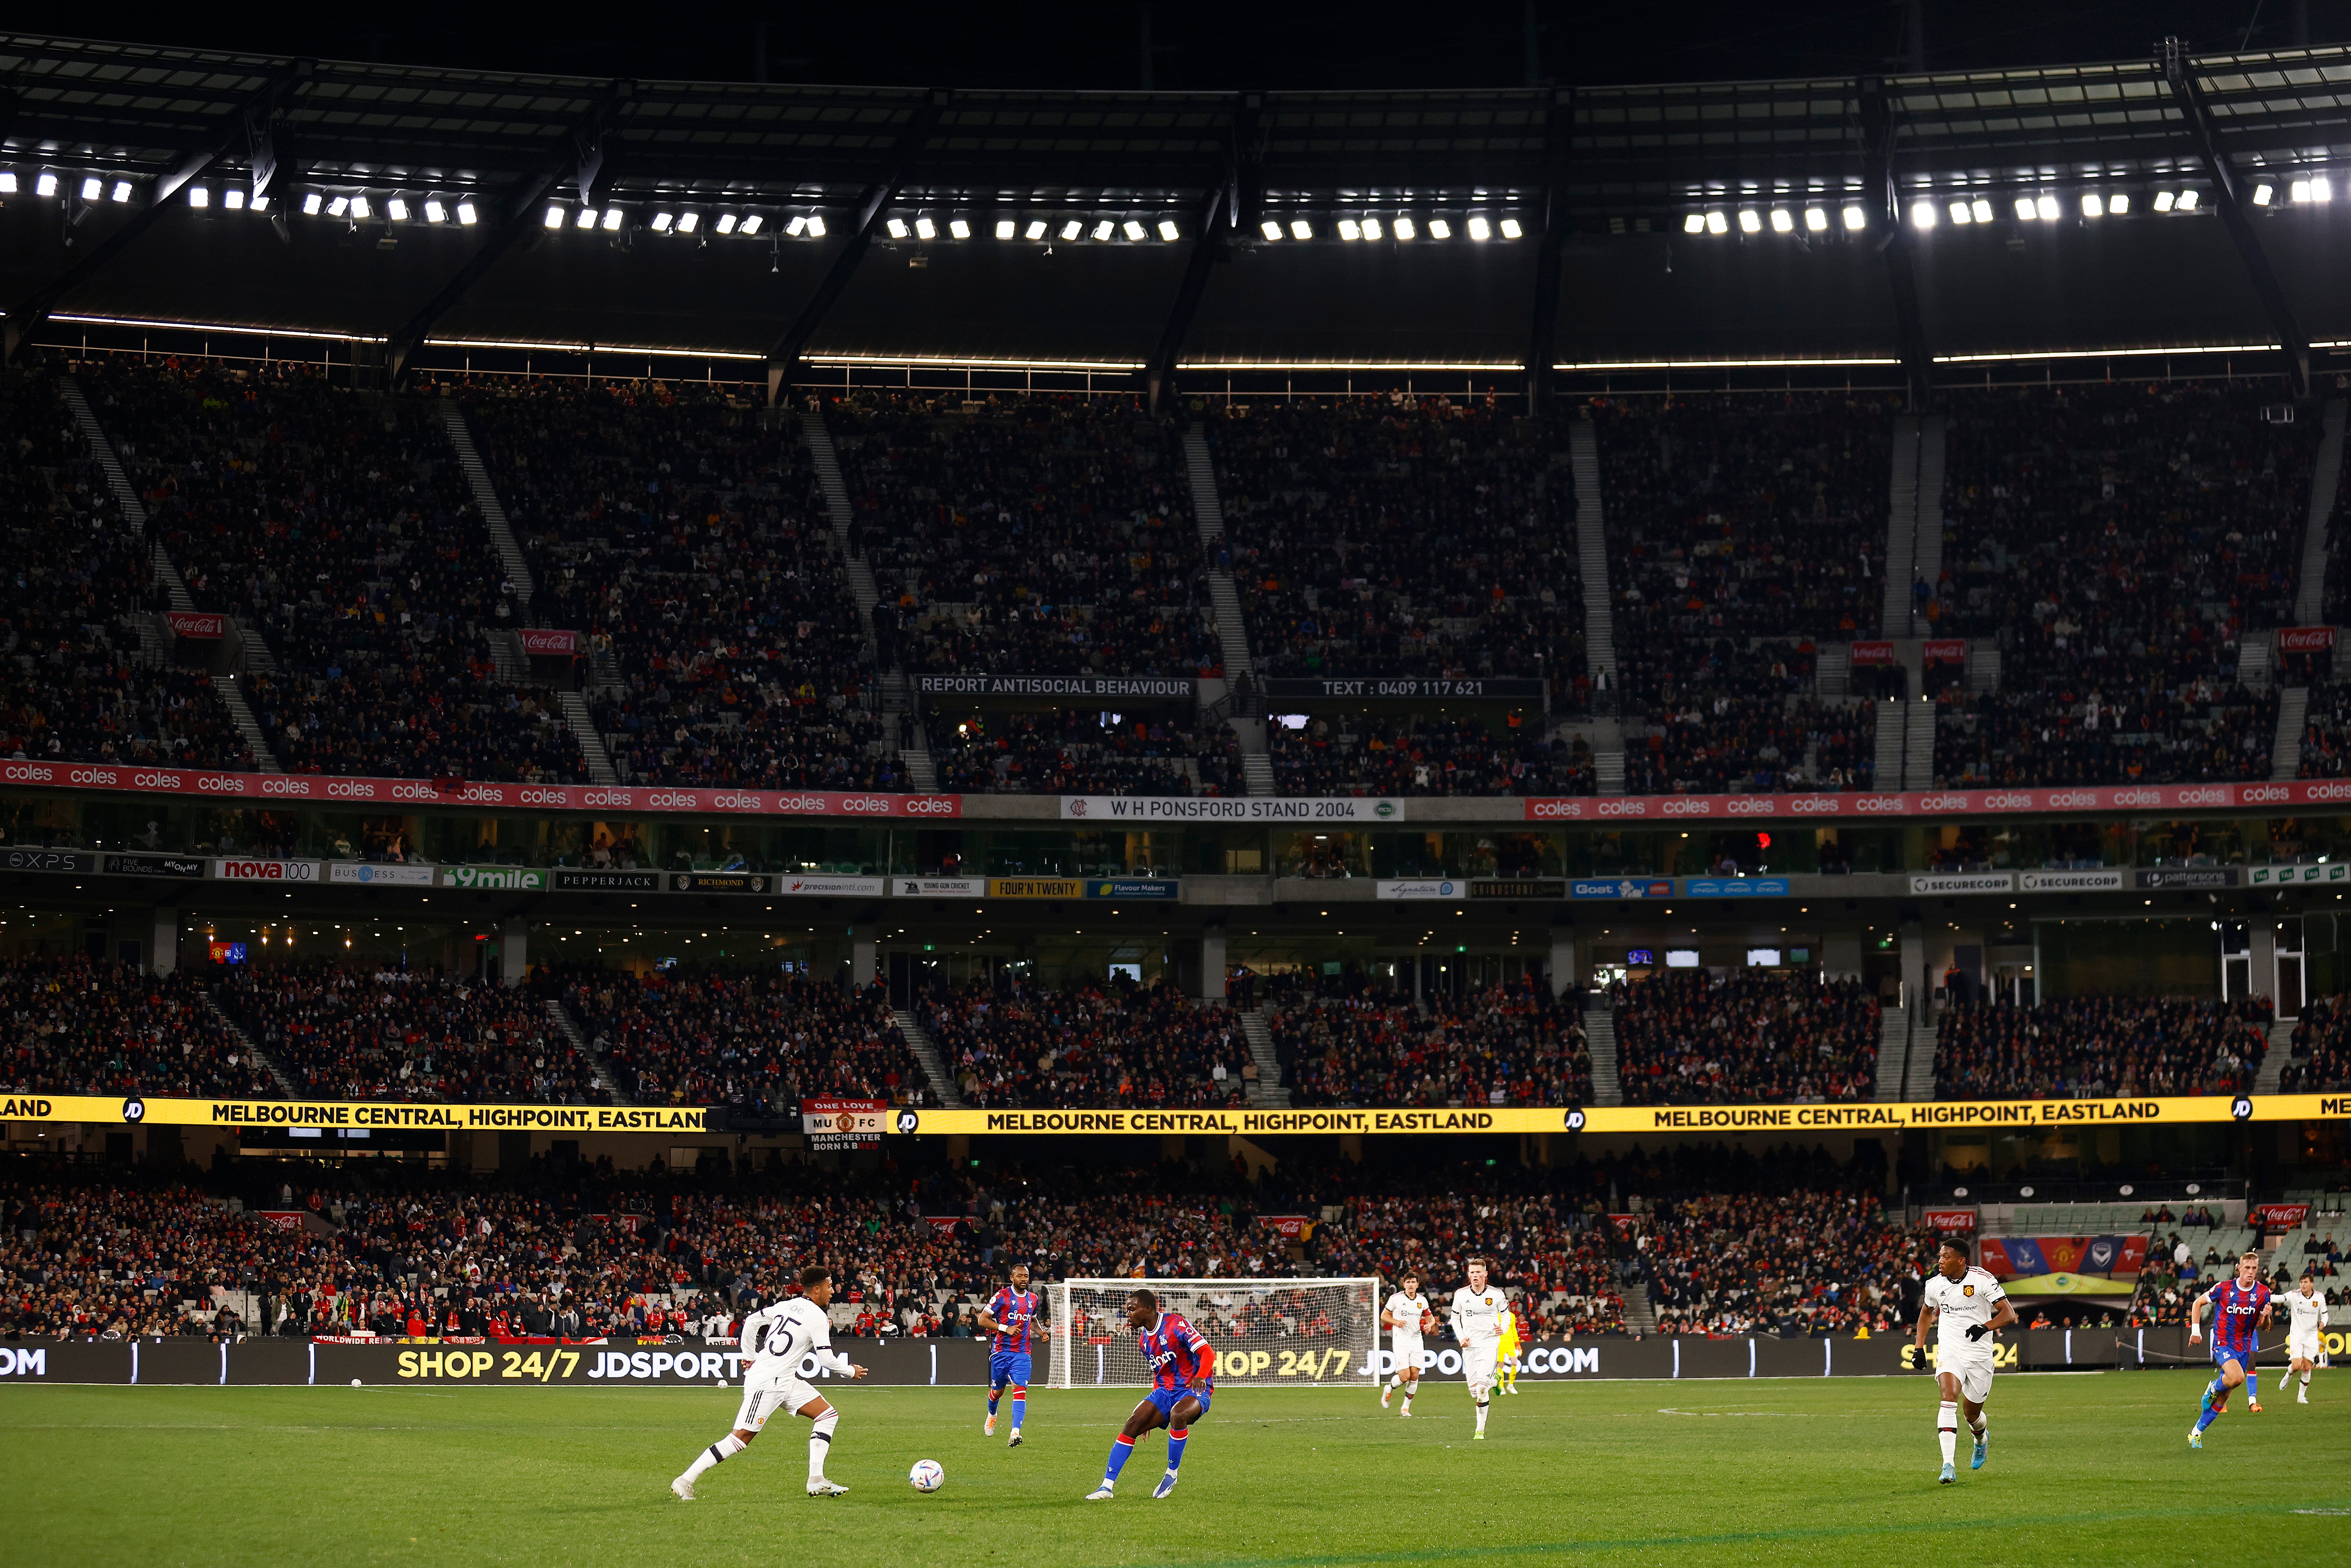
1507, 1352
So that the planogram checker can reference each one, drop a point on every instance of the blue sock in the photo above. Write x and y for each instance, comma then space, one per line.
993, 1395
2207, 1416
2218, 1388
1120, 1446
1175, 1435
1020, 1407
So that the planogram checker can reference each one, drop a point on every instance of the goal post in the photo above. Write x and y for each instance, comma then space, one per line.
1268, 1333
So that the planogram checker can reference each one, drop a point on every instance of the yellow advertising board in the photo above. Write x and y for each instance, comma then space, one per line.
1036, 887
141, 1110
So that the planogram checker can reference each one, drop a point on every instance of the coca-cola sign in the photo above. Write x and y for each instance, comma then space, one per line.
1866, 654
541, 642
1944, 651
1949, 1221
2305, 639
189, 624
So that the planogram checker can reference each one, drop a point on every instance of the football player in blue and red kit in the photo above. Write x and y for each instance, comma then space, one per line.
1183, 1380
2241, 1310
1009, 1315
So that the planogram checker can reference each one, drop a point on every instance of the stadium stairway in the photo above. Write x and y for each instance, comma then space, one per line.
1901, 529
1640, 1316
102, 449
1599, 605
592, 749
286, 1085
1919, 745
240, 714
2286, 745
1206, 513
1270, 1094
1886, 763
1918, 1071
2274, 1059
1600, 1038
485, 500
1893, 1058
1927, 549
895, 691
2326, 480
1248, 724
569, 1027
926, 1052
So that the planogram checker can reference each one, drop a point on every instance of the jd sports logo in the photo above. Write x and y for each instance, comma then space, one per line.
134, 1110
908, 1121
2241, 1109
1575, 1121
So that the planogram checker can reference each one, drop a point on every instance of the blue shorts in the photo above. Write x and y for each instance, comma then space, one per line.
1007, 1366
2243, 1358
1166, 1399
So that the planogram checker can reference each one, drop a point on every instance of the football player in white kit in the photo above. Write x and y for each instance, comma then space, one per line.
2302, 1342
775, 1341
1406, 1311
1964, 1306
1478, 1310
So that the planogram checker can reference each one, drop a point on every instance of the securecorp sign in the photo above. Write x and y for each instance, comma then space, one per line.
137, 1110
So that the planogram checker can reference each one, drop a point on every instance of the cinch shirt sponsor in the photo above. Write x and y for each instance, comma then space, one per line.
2236, 1309
1176, 1350
1013, 1310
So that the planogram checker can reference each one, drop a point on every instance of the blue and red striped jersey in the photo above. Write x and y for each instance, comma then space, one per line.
1176, 1352
2236, 1309
1014, 1312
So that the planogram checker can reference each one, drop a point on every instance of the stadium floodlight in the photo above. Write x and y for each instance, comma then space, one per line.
1816, 220
258, 203
688, 222
121, 192
1922, 215
1072, 229
726, 222
1168, 231
2163, 201
1981, 209
815, 224
44, 184
1716, 224
397, 210
613, 220
1856, 217
1350, 229
1006, 228
897, 227
1405, 228
1132, 229
959, 228
198, 197
1695, 223
1783, 221
586, 220
2261, 194
924, 227
233, 198
662, 222
7, 181
1371, 229
359, 208
554, 218
1301, 229
796, 225
311, 203
1479, 229
2320, 189
1749, 220
466, 216
1961, 214
2118, 203
2025, 211
1104, 230
2188, 198
1270, 228
1035, 229
2299, 191
92, 188
1439, 229
1511, 229
2093, 206
339, 207
2047, 207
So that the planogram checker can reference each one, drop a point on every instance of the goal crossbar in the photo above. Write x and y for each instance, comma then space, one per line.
1268, 1333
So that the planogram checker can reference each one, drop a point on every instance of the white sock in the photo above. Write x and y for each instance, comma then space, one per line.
726, 1447
1946, 1429
1983, 1426
1397, 1381
2285, 1377
819, 1440
2305, 1380
1481, 1414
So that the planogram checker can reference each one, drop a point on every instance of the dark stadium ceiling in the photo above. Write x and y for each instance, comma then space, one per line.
350, 141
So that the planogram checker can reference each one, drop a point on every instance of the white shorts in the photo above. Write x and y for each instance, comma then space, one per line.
1477, 1365
1407, 1354
1974, 1373
2302, 1347
765, 1393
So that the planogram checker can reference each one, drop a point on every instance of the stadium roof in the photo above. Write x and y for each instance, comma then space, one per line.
1620, 170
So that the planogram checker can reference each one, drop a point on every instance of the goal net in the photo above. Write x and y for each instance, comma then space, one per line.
1277, 1333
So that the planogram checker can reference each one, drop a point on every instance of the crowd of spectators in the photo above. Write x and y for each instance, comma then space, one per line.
2116, 542
1428, 755
2090, 1048
1706, 738
1502, 1045
1689, 1036
759, 1040
2319, 1060
2326, 731
90, 1026
1042, 536
681, 536
1402, 536
1075, 751
395, 1034
1122, 1044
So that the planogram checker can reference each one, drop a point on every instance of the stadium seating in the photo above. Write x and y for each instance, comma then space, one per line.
387, 1034
2319, 1060
1503, 1045
1124, 1044
1686, 1037
2092, 1047
1430, 756
2116, 542
1077, 752
760, 1040
85, 1026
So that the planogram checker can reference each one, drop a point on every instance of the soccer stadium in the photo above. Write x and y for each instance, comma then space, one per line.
1606, 762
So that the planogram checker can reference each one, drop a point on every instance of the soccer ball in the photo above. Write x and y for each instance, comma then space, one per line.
927, 1476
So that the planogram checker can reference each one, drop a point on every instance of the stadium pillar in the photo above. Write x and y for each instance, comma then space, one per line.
163, 944
1914, 971
1237, 198
2263, 979
1563, 960
513, 950
862, 954
1886, 195
1550, 214
1212, 963
1841, 955
2227, 196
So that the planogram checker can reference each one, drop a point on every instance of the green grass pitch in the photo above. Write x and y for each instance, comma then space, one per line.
2091, 1468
